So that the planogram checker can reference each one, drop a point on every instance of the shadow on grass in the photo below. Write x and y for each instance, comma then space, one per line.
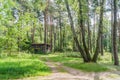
19, 69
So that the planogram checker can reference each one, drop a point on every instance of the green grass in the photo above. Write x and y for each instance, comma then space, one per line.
60, 58
104, 62
71, 54
22, 65
87, 67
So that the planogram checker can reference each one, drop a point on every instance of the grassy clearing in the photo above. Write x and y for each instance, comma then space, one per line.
104, 63
60, 57
21, 65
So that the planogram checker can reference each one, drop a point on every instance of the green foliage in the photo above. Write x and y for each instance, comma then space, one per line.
40, 4
21, 65
107, 58
7, 29
2, 42
25, 45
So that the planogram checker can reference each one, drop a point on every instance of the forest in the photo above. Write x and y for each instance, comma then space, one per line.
59, 39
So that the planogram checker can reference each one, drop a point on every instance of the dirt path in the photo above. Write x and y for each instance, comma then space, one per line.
60, 72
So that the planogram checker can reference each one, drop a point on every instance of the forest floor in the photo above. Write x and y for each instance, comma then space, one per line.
61, 72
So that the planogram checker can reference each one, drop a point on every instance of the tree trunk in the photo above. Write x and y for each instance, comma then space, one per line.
119, 31
83, 31
115, 55
101, 45
93, 34
99, 32
33, 33
74, 34
54, 40
89, 31
111, 49
60, 24
51, 32
45, 30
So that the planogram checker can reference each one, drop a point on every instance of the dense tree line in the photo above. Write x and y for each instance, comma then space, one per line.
90, 27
